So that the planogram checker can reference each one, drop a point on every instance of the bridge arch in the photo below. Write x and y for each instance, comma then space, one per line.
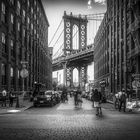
75, 37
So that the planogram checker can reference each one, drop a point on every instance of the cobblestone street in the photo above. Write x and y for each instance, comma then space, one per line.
65, 122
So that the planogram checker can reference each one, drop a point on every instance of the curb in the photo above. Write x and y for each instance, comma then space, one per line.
18, 110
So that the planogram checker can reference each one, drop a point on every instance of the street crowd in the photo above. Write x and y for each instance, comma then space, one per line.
97, 98
120, 99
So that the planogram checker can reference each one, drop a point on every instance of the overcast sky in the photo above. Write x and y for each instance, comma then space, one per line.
54, 11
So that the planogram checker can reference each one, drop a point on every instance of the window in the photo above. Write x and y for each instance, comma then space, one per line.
32, 10
32, 26
18, 7
3, 38
3, 12
18, 26
12, 75
28, 3
23, 15
11, 43
23, 32
35, 3
35, 16
11, 72
35, 31
3, 8
12, 2
12, 47
12, 18
3, 73
18, 74
28, 20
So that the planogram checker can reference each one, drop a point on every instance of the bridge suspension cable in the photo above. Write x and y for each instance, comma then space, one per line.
58, 50
56, 32
58, 37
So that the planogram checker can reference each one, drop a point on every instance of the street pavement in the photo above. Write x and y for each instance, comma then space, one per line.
65, 122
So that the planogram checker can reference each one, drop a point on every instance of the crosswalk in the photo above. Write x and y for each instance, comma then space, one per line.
86, 105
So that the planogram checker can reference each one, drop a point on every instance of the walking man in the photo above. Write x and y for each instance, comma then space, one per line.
123, 101
11, 99
97, 102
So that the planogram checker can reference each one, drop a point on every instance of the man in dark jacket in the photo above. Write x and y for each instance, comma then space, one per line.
122, 99
97, 101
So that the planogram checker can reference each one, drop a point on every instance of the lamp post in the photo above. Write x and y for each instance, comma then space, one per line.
23, 74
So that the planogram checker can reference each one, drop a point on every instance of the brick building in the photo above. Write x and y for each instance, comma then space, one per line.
24, 38
117, 46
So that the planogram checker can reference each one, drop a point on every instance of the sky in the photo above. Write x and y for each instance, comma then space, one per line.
55, 10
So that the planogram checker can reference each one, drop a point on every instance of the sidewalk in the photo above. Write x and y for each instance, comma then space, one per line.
23, 105
110, 105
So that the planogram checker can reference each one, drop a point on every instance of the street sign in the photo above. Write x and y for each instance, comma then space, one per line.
24, 73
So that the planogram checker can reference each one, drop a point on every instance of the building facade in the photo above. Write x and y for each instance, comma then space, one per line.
117, 47
24, 39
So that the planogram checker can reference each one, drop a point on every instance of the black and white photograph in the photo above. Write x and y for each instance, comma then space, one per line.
69, 69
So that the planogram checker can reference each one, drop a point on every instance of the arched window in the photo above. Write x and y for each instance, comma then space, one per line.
75, 37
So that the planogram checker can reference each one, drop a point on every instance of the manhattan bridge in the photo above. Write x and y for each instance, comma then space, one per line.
73, 51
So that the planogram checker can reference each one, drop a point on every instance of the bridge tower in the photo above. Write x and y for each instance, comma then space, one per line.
70, 21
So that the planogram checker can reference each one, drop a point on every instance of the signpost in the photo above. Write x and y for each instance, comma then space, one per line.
23, 73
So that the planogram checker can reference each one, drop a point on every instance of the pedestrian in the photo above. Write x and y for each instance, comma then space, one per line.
11, 98
64, 96
122, 99
4, 94
75, 97
97, 102
79, 98
92, 97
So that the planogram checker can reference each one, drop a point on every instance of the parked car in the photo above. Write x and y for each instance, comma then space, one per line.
45, 98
